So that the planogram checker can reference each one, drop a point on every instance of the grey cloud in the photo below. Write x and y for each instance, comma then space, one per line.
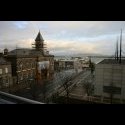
100, 33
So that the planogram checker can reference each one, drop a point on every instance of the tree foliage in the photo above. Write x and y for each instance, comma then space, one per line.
87, 84
92, 66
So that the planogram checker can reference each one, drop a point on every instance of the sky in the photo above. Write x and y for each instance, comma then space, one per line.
64, 37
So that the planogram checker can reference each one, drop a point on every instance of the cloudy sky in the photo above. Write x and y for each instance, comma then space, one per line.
64, 37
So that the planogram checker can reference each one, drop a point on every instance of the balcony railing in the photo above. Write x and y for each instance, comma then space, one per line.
6, 98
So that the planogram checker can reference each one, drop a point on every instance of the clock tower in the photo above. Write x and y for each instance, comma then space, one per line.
39, 43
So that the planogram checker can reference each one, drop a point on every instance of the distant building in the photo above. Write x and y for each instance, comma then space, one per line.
65, 64
110, 80
56, 65
5, 72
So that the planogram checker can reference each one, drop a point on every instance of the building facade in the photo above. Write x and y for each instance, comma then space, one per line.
110, 80
5, 73
29, 64
66, 64
23, 68
63, 65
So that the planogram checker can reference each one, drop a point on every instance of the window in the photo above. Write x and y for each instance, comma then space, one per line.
0, 71
20, 67
21, 76
112, 89
6, 70
6, 80
1, 81
27, 75
27, 66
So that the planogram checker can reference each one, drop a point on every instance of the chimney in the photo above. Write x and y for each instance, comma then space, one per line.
5, 52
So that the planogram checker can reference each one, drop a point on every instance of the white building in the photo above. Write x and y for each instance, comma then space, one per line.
110, 80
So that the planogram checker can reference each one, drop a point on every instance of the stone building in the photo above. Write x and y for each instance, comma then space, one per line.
29, 64
5, 72
23, 67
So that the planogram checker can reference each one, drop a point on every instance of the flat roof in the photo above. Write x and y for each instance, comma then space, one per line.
111, 61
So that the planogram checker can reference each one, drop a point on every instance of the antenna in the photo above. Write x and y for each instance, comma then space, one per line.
120, 47
117, 50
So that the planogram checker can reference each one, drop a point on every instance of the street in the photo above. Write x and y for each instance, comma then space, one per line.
78, 90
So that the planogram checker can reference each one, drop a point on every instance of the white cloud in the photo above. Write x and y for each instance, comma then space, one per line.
25, 43
21, 24
70, 47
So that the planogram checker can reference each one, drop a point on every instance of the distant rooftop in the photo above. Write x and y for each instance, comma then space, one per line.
111, 61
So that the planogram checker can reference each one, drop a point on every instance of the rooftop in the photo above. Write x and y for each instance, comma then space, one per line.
21, 51
24, 52
111, 61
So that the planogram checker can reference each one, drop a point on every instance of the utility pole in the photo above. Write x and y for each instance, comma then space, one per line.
117, 50
17, 80
37, 74
120, 47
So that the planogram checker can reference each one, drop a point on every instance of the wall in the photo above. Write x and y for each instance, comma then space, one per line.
5, 77
108, 75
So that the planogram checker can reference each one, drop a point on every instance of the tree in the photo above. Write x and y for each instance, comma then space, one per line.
39, 90
44, 89
88, 86
34, 89
92, 66
66, 83
63, 79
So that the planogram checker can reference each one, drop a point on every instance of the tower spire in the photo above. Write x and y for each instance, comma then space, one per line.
39, 43
39, 37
